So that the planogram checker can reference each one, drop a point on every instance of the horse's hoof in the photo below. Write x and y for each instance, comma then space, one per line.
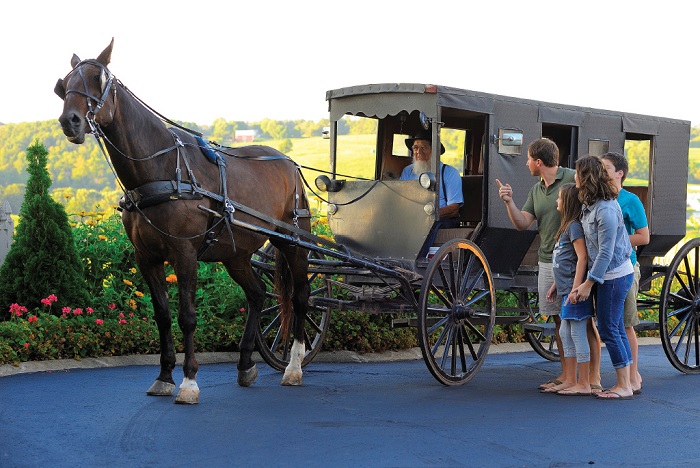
246, 378
188, 393
160, 388
187, 396
291, 378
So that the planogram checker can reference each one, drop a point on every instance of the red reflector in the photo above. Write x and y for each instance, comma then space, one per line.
431, 88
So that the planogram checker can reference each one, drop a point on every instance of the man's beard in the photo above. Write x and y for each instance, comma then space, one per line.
420, 166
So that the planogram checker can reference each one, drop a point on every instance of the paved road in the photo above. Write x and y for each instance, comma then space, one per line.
349, 414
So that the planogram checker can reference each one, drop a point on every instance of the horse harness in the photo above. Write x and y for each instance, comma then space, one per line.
161, 191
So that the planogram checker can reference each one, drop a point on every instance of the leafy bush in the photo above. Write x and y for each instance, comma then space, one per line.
117, 320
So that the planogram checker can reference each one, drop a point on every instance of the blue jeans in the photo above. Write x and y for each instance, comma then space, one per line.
610, 304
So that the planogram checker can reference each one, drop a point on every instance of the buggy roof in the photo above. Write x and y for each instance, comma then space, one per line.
445, 96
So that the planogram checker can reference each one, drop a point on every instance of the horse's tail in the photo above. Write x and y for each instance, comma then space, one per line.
284, 287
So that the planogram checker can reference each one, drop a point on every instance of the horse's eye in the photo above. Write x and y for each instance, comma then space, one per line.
103, 81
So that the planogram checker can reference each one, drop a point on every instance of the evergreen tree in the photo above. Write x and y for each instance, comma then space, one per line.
43, 259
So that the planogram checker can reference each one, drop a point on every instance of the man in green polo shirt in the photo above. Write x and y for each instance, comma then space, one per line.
541, 206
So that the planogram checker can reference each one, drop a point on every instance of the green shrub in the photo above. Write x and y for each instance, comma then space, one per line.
42, 258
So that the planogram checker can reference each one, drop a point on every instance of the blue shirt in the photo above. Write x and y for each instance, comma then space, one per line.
452, 184
633, 214
607, 242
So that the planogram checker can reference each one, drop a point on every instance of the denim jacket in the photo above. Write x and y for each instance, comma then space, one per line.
607, 241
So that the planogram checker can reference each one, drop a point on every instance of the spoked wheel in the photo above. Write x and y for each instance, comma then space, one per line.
457, 311
679, 309
540, 331
271, 343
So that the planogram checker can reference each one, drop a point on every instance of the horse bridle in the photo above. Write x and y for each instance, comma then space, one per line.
106, 79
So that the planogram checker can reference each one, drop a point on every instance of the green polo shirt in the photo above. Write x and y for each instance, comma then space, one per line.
542, 204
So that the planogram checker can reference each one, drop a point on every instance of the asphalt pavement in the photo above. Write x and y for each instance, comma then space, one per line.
352, 410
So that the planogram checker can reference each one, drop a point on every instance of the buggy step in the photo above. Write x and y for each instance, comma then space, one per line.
404, 322
547, 329
646, 325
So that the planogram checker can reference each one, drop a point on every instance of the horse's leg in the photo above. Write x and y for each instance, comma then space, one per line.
186, 271
298, 265
154, 274
242, 273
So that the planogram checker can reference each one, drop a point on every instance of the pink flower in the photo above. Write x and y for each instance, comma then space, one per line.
112, 306
121, 314
49, 300
99, 321
66, 310
77, 311
89, 310
26, 345
18, 310
32, 319
242, 309
122, 322
131, 314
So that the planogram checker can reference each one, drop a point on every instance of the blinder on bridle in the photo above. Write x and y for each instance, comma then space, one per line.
106, 79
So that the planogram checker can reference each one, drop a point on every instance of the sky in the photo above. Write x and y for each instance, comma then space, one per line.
199, 61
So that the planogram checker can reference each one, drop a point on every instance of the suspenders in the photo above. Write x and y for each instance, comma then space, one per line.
442, 184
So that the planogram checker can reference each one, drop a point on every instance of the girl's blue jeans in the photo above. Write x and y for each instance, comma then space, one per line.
610, 305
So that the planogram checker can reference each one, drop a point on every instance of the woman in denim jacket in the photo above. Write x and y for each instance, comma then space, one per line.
609, 248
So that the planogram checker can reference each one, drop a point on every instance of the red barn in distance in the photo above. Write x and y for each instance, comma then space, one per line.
245, 135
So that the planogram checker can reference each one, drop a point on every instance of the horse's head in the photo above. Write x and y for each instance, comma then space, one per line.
86, 95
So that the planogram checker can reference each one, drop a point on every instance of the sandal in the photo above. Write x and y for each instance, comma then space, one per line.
551, 383
616, 397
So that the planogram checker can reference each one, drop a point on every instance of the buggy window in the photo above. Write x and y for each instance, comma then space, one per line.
357, 147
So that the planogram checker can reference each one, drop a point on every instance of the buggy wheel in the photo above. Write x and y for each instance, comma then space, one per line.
539, 332
679, 309
269, 339
457, 312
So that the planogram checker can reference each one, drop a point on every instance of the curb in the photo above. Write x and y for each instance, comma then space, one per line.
412, 354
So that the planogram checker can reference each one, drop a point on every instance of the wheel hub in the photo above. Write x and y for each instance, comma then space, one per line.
460, 311
696, 307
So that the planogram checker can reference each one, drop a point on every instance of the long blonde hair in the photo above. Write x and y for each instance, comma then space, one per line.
570, 207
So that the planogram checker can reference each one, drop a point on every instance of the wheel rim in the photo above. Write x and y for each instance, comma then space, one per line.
457, 312
273, 347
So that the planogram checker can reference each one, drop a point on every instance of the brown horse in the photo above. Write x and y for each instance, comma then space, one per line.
180, 209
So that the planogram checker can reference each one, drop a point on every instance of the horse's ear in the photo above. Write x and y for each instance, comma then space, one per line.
74, 61
59, 89
106, 54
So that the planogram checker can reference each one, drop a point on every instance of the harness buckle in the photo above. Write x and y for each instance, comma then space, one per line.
229, 209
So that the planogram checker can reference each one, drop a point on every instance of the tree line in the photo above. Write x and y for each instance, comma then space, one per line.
82, 178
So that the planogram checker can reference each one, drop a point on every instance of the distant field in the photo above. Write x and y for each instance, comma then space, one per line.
694, 154
355, 154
